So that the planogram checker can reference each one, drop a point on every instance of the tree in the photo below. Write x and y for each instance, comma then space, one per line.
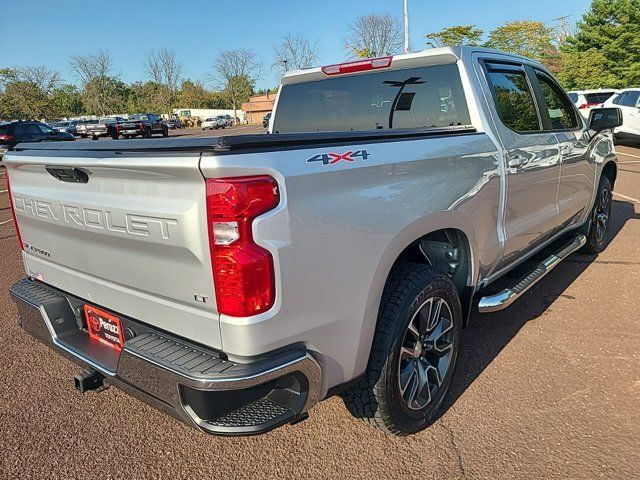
27, 90
143, 97
528, 38
611, 28
295, 52
66, 101
194, 95
585, 70
454, 36
375, 35
99, 83
165, 71
237, 72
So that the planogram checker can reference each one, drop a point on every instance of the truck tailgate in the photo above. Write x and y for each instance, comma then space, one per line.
132, 238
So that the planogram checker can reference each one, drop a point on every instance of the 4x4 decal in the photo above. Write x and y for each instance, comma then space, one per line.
332, 158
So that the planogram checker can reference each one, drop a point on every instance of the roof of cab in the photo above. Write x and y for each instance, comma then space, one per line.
429, 56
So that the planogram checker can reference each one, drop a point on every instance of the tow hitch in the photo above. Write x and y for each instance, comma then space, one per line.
88, 380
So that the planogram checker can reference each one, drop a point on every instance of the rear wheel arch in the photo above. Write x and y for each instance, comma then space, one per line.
403, 248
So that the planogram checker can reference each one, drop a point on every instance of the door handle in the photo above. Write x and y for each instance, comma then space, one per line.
566, 150
516, 161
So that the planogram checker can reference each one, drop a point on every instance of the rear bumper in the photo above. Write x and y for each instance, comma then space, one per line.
198, 386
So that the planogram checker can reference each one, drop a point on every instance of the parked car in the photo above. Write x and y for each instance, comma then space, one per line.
66, 126
174, 123
83, 125
628, 101
143, 124
12, 133
213, 122
228, 120
236, 281
586, 100
265, 120
105, 127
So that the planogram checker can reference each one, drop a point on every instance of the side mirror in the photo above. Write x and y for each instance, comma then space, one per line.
605, 118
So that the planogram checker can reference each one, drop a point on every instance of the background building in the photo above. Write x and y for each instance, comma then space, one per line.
258, 106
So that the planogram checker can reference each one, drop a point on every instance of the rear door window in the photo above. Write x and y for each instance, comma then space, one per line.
27, 129
513, 97
395, 99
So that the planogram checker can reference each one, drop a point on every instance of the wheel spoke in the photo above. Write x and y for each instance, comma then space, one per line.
435, 317
414, 331
406, 374
441, 345
405, 353
411, 387
425, 316
423, 383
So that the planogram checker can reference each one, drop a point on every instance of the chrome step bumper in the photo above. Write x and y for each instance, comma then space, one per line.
506, 297
199, 386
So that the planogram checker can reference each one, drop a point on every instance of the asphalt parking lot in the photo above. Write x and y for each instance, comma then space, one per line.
549, 388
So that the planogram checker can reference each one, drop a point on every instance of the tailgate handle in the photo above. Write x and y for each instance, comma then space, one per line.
68, 174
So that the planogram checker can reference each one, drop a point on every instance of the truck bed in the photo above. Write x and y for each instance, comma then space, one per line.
242, 143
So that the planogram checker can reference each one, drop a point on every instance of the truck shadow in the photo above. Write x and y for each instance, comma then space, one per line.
487, 334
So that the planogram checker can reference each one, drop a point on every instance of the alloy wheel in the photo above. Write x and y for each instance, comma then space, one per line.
426, 353
602, 213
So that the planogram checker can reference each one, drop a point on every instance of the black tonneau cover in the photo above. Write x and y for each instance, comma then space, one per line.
240, 143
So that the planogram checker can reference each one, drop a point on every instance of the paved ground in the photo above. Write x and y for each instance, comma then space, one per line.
547, 389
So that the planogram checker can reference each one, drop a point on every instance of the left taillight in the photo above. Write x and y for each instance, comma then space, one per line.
13, 211
243, 272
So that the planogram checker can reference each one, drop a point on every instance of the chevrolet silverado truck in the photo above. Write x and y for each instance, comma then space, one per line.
234, 282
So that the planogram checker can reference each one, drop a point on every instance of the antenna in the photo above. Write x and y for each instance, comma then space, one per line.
563, 28
406, 26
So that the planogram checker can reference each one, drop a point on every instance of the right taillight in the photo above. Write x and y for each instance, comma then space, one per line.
243, 271
13, 211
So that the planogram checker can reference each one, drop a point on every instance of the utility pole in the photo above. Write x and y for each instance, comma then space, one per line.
406, 26
563, 28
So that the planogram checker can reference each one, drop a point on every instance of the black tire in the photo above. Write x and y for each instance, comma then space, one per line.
115, 136
377, 398
94, 137
165, 132
146, 134
600, 219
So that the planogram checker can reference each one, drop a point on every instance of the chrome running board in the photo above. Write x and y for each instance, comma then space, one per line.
506, 297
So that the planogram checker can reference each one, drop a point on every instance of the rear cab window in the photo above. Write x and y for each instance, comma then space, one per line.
415, 98
513, 97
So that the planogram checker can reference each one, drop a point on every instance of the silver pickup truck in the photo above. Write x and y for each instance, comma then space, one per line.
234, 282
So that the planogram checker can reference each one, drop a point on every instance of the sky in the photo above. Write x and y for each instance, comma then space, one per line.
45, 33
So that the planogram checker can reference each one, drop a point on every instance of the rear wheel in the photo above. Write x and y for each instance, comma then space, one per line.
146, 134
165, 132
114, 135
600, 218
414, 352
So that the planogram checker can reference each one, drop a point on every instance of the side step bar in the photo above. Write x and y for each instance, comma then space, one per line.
506, 297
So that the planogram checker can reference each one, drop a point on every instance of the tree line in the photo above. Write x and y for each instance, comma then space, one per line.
603, 51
